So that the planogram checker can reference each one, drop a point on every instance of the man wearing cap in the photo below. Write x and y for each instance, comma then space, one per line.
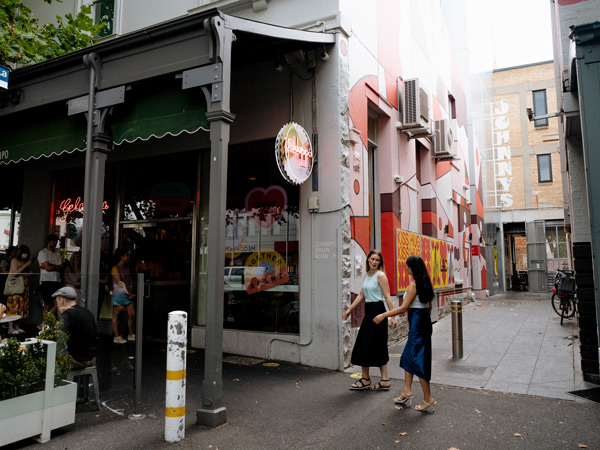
51, 265
81, 326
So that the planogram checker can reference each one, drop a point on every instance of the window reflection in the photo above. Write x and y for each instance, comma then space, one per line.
261, 244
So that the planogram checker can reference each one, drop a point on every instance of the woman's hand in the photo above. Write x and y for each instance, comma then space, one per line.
394, 322
345, 315
377, 319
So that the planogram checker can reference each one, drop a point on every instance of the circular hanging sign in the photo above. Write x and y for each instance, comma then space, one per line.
293, 153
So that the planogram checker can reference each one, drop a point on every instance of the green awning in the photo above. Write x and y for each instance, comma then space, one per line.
157, 109
151, 109
45, 131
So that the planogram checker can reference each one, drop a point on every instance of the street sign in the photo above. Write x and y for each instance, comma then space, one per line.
4, 77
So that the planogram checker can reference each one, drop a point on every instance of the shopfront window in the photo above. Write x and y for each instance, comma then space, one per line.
261, 243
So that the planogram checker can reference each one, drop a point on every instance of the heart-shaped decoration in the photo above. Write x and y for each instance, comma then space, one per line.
266, 205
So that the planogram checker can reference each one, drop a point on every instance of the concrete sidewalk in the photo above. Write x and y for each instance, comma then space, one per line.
511, 343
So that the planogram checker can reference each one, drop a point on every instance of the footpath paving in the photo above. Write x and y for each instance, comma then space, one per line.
493, 398
511, 343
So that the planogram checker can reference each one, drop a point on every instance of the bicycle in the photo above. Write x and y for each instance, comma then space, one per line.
563, 294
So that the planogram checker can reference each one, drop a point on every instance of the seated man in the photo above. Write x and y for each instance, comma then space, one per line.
81, 326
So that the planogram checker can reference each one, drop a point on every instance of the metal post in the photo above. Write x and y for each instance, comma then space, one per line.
457, 337
139, 332
176, 364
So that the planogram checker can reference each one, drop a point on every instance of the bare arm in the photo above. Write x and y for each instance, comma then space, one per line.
356, 301
411, 293
51, 267
385, 289
69, 280
117, 276
25, 268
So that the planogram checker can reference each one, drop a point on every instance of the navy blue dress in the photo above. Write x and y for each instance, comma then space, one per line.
416, 357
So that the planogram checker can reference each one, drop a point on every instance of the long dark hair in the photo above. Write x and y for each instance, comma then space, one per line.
421, 277
378, 253
119, 252
23, 249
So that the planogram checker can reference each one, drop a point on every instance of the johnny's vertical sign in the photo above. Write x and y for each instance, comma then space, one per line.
502, 163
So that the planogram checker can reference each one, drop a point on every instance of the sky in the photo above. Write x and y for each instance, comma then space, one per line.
522, 31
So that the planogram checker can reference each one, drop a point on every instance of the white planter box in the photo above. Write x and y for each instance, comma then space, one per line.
41, 412
28, 415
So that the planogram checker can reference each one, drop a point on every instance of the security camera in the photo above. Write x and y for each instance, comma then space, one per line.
530, 114
398, 179
324, 56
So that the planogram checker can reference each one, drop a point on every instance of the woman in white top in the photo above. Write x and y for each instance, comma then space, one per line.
416, 357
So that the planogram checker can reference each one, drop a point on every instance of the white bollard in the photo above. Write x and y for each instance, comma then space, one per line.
176, 363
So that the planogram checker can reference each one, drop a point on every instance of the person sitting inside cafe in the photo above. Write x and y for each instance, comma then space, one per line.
80, 324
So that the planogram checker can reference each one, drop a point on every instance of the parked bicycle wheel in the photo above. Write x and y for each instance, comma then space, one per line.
556, 304
568, 307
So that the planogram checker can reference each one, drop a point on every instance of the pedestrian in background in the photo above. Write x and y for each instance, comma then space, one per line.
17, 303
416, 357
370, 348
73, 273
51, 266
11, 251
122, 296
80, 324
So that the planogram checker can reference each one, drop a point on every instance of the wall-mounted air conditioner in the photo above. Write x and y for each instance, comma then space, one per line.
415, 108
445, 134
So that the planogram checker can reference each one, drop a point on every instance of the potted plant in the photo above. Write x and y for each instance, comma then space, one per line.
34, 397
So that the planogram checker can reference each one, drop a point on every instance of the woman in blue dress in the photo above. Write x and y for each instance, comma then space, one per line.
370, 348
416, 357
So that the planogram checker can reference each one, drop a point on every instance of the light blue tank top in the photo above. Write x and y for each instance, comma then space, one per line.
371, 288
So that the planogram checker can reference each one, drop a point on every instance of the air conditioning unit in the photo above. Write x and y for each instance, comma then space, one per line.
445, 134
415, 107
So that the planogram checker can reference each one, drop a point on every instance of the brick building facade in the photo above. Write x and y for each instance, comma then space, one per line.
524, 184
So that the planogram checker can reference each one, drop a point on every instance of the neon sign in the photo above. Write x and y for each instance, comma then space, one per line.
293, 153
67, 207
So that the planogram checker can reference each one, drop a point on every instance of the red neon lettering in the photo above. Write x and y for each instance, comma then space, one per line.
291, 146
67, 207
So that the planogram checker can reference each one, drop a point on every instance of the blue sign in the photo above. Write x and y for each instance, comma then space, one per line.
4, 77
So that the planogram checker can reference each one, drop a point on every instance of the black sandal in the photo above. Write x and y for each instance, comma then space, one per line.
360, 385
380, 387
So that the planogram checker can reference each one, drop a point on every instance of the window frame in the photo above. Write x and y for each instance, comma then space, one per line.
539, 109
539, 158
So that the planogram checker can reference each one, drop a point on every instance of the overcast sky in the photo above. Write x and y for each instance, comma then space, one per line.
522, 31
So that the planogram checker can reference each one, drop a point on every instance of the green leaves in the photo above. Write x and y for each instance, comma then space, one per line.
24, 371
23, 41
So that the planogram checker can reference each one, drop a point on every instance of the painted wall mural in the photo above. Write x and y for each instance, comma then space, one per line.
438, 256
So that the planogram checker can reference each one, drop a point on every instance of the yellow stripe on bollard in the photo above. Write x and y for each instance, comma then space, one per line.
175, 412
174, 375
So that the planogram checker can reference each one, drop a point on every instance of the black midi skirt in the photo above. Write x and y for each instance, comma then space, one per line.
416, 357
370, 348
